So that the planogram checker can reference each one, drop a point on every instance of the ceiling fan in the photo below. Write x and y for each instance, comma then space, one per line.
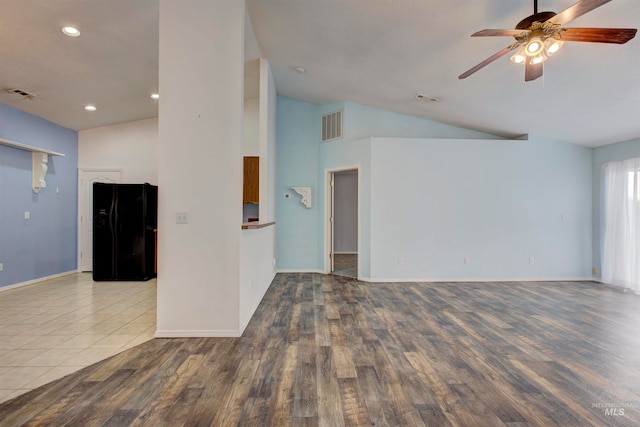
541, 35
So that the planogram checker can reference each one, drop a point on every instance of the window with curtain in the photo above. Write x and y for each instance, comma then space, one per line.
621, 223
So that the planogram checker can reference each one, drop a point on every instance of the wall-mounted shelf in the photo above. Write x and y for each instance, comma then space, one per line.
39, 160
29, 147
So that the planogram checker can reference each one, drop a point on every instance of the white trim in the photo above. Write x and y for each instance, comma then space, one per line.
476, 279
345, 253
197, 333
295, 270
34, 281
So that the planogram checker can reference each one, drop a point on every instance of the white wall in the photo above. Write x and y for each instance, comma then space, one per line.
257, 247
268, 108
251, 128
256, 269
131, 146
200, 166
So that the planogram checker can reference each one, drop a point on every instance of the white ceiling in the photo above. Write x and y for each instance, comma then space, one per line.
374, 52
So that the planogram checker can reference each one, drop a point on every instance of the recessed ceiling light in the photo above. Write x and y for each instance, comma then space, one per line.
90, 107
70, 31
155, 96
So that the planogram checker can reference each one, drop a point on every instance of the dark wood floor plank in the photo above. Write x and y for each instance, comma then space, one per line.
329, 403
331, 351
305, 396
282, 402
353, 405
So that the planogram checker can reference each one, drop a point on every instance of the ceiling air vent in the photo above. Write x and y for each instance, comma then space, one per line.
21, 93
332, 126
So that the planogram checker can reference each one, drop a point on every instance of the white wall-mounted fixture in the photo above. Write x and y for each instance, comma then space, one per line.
39, 162
305, 192
39, 170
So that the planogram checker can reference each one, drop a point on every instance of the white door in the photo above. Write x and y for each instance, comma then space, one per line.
86, 179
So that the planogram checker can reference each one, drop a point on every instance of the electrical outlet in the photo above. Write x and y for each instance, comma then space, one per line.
27, 214
532, 260
401, 260
467, 260
273, 262
1, 266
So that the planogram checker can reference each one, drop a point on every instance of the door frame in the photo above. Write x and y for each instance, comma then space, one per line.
328, 215
81, 203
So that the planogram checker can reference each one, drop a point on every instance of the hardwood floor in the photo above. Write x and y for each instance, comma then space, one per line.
345, 265
332, 351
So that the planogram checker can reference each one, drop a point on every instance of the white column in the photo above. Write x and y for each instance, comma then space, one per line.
200, 166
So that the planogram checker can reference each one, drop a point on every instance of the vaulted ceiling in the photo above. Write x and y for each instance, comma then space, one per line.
374, 52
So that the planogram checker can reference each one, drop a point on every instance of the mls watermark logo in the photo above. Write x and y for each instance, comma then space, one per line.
615, 409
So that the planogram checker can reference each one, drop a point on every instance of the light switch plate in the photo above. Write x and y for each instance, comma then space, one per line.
182, 218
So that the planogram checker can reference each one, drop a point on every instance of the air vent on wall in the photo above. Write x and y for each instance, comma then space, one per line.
332, 126
21, 93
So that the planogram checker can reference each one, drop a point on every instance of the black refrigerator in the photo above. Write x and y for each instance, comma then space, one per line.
125, 218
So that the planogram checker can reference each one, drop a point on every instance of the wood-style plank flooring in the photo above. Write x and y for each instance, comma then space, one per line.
332, 351
345, 265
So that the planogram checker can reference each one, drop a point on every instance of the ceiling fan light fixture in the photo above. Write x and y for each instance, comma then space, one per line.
552, 46
534, 46
538, 58
519, 57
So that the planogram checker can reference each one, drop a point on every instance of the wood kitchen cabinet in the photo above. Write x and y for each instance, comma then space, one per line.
251, 183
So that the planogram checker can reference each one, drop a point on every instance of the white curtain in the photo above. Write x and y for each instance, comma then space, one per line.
621, 223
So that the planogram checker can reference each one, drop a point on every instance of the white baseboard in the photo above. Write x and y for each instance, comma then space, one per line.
286, 270
40, 279
479, 279
198, 333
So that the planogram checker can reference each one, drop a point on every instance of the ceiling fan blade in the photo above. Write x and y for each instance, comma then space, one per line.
489, 60
498, 33
576, 10
599, 35
532, 71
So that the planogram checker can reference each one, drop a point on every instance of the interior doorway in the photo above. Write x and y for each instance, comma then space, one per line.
86, 178
343, 222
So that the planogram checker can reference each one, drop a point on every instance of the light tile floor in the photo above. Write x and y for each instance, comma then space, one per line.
52, 328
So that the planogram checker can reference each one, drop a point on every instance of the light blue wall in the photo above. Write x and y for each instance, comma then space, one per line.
46, 244
361, 121
607, 153
297, 165
496, 202
434, 201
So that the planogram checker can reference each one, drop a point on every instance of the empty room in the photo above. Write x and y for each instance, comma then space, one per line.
322, 213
